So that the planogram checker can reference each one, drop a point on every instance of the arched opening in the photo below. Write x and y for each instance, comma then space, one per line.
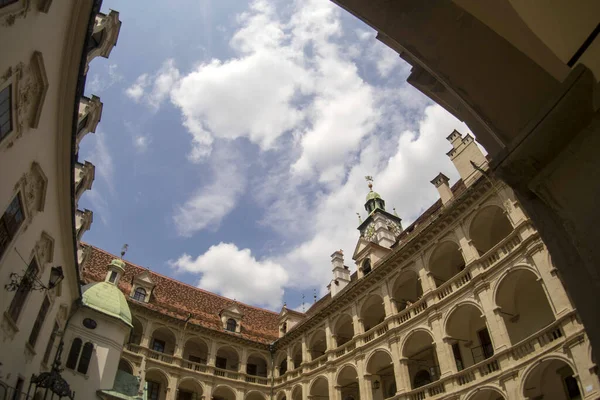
471, 341
256, 365
347, 383
227, 358
319, 389
281, 363
552, 379
223, 393
372, 312
135, 336
366, 266
445, 262
318, 344
231, 325
189, 389
344, 330
297, 355
423, 366
488, 228
297, 393
163, 341
383, 379
195, 352
523, 304
140, 294
487, 394
254, 395
157, 384
407, 290
125, 366
280, 395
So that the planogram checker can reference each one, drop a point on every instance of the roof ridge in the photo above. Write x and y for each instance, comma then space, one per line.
180, 282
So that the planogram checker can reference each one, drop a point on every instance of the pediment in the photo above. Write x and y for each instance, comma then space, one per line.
361, 245
232, 310
144, 279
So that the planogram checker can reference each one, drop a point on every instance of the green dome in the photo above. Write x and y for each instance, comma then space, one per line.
373, 195
119, 264
107, 299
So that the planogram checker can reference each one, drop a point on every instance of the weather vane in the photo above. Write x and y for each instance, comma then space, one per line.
369, 180
124, 250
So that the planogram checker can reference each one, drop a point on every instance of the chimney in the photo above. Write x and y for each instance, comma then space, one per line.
464, 154
441, 183
341, 273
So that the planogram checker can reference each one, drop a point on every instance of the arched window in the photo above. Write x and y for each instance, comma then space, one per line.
284, 328
86, 357
366, 267
74, 354
231, 325
139, 294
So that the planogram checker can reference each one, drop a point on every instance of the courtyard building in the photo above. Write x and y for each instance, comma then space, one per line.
464, 303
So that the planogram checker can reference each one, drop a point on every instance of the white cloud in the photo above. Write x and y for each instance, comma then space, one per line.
141, 142
99, 84
154, 89
237, 274
137, 89
207, 206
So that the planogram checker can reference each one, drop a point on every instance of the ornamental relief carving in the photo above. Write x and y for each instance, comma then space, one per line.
30, 85
44, 248
33, 187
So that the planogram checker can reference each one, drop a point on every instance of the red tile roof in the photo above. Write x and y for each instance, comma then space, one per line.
178, 300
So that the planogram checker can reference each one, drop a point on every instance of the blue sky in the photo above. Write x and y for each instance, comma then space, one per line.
235, 138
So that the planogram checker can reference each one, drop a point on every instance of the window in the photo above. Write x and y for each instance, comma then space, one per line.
74, 353
139, 294
153, 390
17, 303
158, 345
366, 267
10, 222
86, 357
113, 276
457, 357
18, 389
39, 322
5, 103
221, 362
284, 328
231, 325
50, 344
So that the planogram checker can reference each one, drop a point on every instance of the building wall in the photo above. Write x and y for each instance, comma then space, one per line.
42, 47
512, 290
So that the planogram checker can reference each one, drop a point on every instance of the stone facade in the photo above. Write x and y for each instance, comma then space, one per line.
466, 304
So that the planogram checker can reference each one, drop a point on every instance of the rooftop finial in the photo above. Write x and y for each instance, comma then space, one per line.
395, 213
303, 310
359, 218
369, 180
124, 250
315, 295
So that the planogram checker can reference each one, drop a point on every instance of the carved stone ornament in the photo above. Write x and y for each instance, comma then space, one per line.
13, 11
44, 249
30, 85
33, 187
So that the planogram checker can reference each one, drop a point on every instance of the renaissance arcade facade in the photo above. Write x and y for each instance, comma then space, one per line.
464, 303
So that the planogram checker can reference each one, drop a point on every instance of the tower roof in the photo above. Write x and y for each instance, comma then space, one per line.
373, 195
106, 298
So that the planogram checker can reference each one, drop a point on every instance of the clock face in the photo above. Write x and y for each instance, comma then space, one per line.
394, 228
369, 232
90, 323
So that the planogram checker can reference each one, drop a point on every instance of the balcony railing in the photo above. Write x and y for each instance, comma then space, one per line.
531, 347
500, 250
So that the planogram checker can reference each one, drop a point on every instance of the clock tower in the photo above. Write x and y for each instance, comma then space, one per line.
380, 227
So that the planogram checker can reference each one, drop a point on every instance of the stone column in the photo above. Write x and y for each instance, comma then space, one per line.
443, 349
387, 301
585, 368
212, 354
333, 392
145, 342
329, 336
239, 394
172, 389
305, 389
427, 283
362, 384
554, 289
142, 376
305, 353
404, 375
468, 251
367, 383
208, 388
495, 322
356, 321
400, 369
